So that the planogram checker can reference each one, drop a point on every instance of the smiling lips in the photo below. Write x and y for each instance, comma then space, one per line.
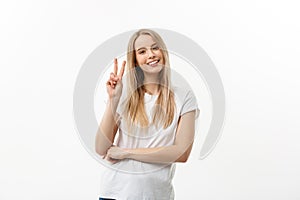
153, 63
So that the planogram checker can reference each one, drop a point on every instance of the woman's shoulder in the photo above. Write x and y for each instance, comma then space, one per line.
185, 99
181, 91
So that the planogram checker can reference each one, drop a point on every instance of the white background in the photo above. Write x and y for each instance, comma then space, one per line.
254, 45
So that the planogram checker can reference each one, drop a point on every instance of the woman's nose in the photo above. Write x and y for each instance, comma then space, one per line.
151, 54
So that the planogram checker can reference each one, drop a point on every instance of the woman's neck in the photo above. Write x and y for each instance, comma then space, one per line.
151, 84
151, 88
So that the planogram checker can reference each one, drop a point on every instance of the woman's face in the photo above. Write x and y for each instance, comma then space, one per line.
148, 54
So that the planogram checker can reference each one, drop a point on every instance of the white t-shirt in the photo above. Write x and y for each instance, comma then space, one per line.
135, 180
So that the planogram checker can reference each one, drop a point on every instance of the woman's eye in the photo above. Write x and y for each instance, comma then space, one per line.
141, 52
155, 48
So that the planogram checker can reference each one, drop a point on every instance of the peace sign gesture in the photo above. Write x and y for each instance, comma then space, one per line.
114, 84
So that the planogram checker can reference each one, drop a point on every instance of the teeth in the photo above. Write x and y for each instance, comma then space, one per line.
151, 63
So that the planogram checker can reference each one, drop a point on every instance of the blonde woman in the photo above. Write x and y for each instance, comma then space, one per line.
155, 122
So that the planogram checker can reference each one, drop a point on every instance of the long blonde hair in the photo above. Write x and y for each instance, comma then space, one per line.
134, 109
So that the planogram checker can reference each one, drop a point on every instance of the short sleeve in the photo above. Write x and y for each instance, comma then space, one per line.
119, 112
190, 104
119, 109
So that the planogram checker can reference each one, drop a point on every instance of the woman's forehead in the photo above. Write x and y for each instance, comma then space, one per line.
143, 41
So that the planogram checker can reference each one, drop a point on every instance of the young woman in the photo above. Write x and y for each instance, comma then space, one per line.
155, 122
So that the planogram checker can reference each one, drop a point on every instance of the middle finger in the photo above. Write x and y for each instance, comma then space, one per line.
115, 66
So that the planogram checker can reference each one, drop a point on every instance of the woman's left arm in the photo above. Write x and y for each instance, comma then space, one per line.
178, 152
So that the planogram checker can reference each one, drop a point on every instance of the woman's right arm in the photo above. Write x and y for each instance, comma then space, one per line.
107, 130
108, 127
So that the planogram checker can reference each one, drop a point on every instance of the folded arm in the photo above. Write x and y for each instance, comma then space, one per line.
178, 152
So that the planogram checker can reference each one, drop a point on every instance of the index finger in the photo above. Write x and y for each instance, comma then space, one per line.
122, 69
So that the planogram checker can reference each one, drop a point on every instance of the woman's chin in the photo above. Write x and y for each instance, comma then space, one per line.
152, 69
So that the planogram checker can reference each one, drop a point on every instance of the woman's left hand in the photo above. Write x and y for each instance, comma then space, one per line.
117, 153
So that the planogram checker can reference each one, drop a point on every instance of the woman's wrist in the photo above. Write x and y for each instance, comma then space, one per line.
128, 154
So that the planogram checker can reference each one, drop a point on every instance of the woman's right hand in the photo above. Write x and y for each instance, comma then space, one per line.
114, 84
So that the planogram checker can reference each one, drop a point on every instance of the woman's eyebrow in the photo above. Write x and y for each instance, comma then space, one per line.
141, 48
145, 47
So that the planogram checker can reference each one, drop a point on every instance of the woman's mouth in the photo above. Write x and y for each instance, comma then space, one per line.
153, 63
